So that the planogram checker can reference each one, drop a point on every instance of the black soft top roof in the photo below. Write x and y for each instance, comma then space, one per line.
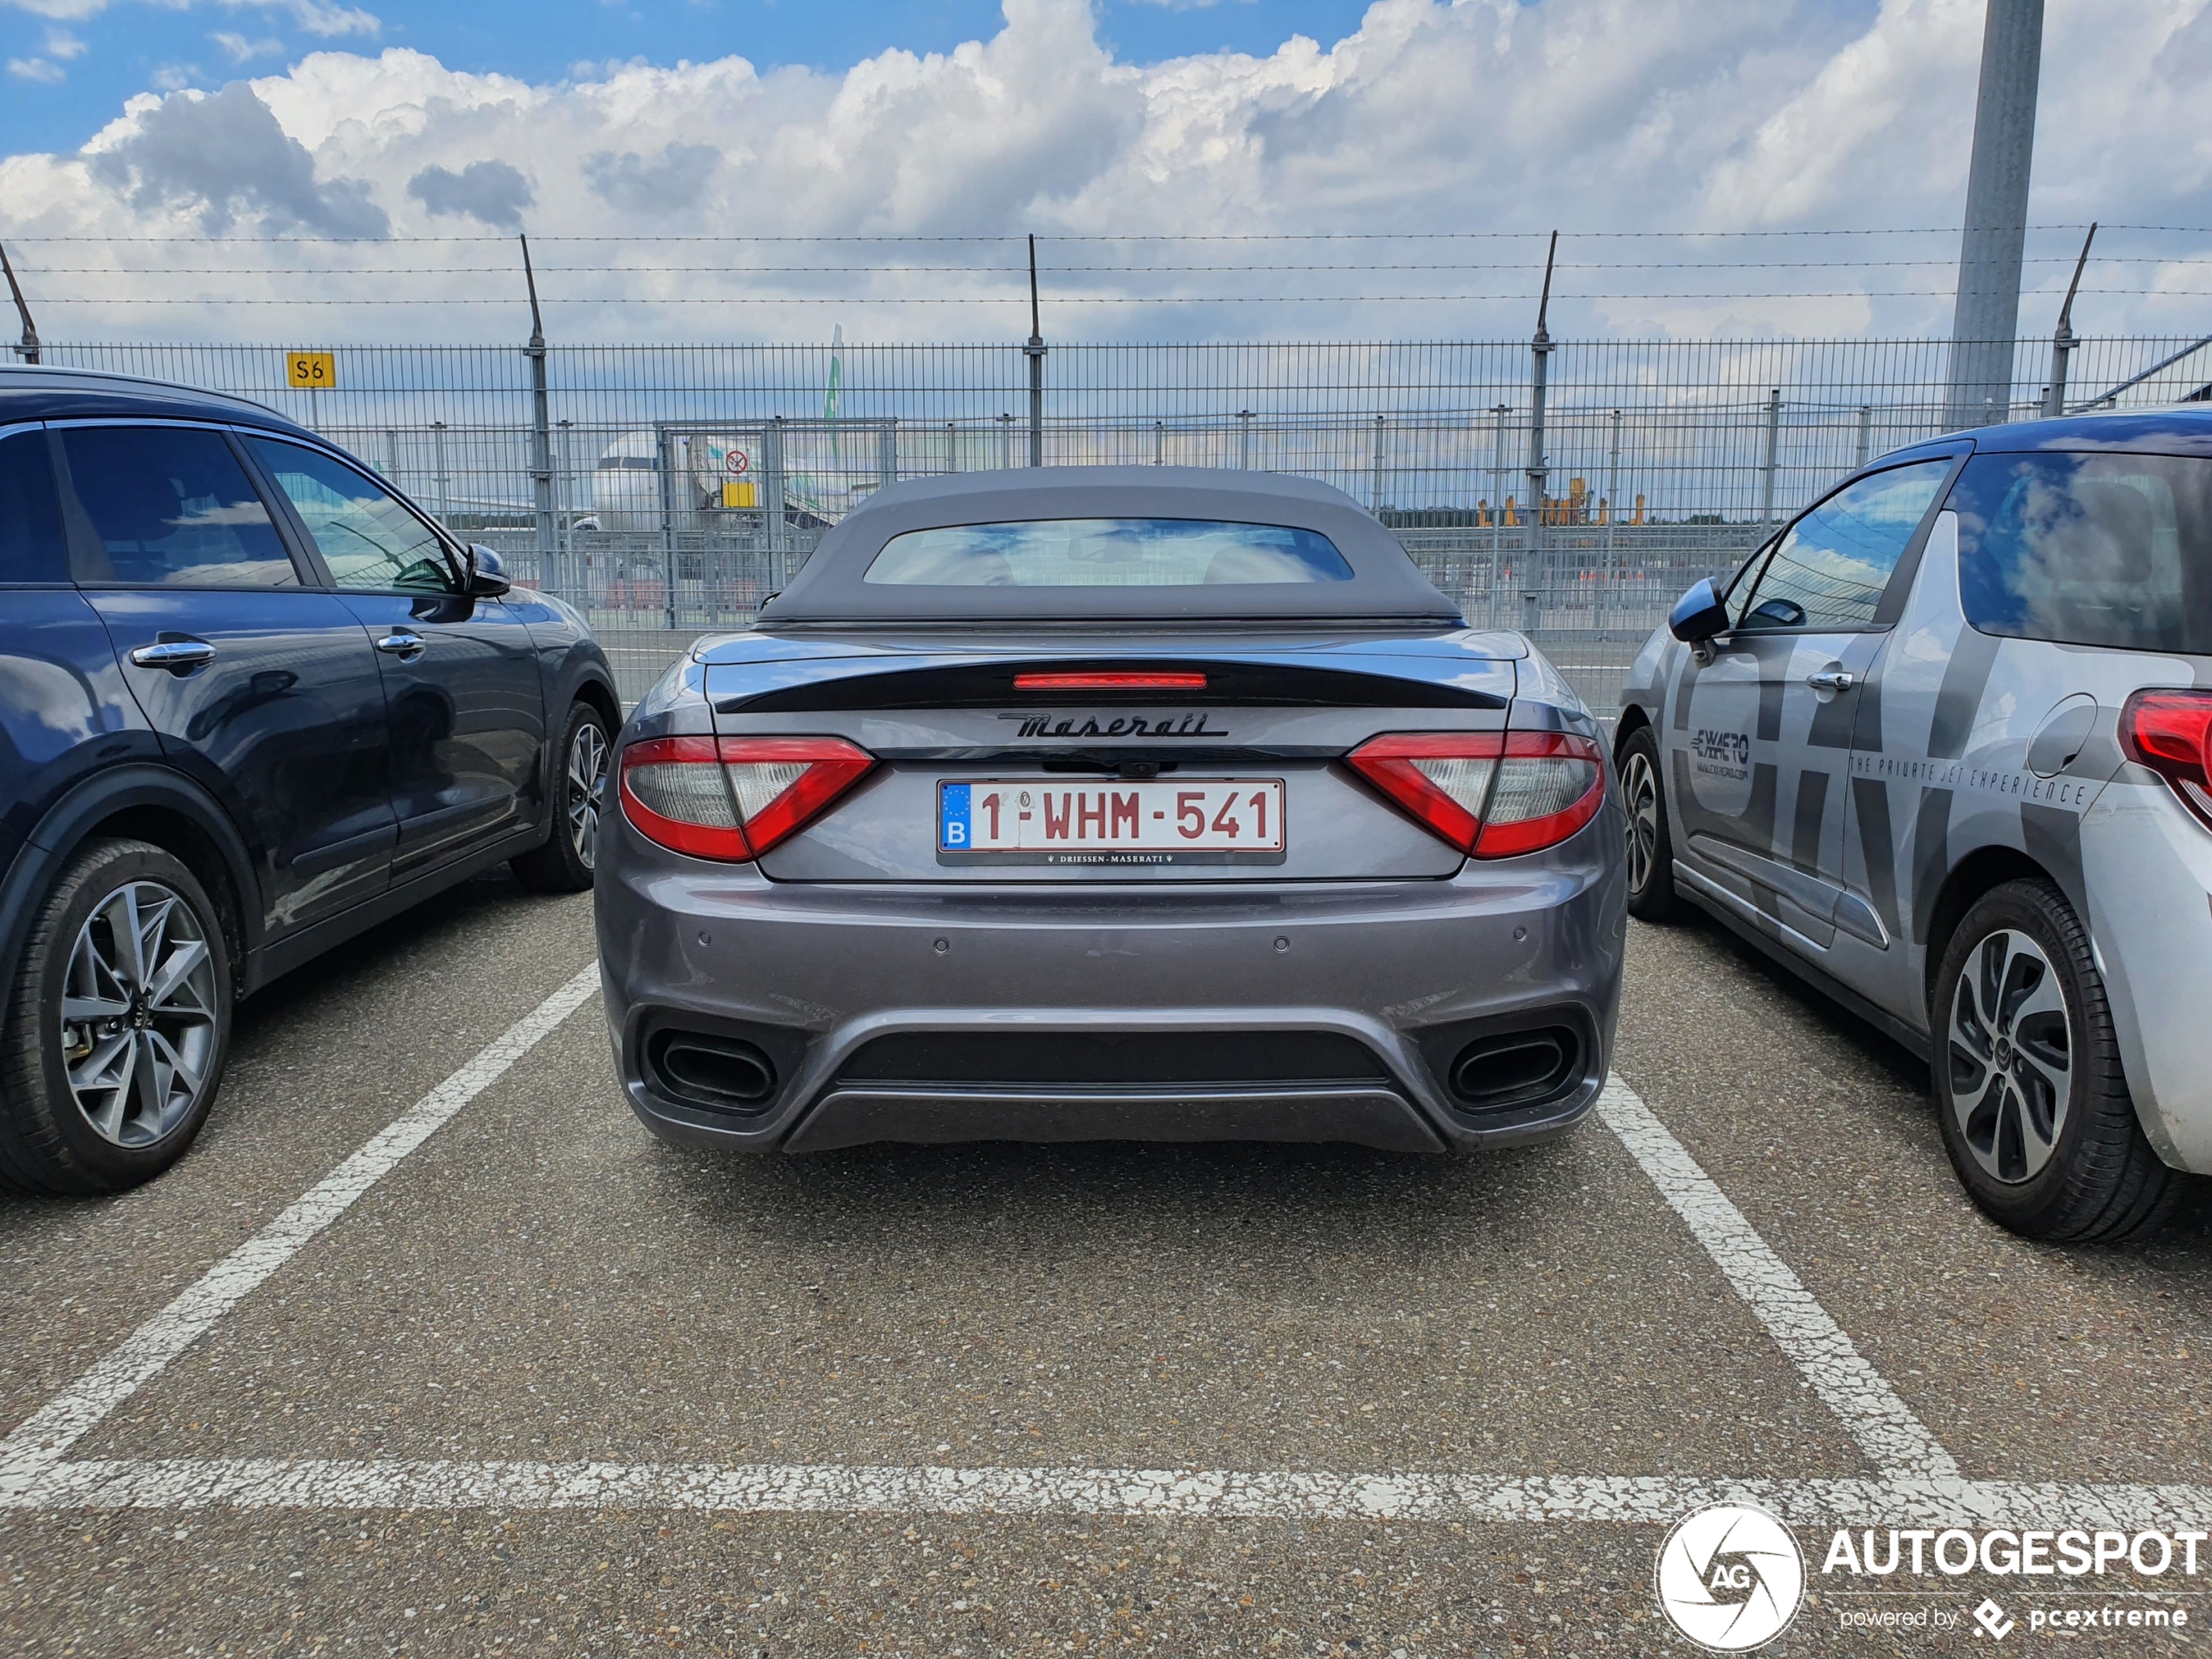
29, 393
1385, 587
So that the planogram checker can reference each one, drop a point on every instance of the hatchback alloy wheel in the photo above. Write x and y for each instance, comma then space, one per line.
2011, 1055
1641, 785
587, 790
138, 1014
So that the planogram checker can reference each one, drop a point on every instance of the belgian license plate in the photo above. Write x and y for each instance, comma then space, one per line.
1080, 820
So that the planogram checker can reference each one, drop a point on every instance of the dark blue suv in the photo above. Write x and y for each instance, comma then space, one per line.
252, 701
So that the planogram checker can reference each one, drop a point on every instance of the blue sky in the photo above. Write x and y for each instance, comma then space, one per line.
72, 68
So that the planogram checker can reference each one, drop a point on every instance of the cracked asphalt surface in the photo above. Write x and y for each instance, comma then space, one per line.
542, 1280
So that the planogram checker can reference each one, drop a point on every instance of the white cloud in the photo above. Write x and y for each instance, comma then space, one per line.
63, 45
1485, 115
61, 10
35, 68
239, 50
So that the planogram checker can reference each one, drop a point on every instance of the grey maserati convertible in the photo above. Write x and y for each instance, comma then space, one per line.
1112, 803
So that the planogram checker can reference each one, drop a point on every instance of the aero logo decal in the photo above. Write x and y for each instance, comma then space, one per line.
1729, 1578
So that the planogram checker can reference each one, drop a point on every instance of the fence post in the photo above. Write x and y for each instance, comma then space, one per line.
1006, 443
438, 461
26, 348
1539, 350
1159, 444
952, 447
665, 470
1865, 432
541, 428
2062, 337
392, 455
1773, 455
1244, 440
1497, 505
773, 497
1375, 471
1612, 511
1034, 352
886, 455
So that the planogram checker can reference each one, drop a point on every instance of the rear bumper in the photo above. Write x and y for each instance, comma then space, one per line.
809, 975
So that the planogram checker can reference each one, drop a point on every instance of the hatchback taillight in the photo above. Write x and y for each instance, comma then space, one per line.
732, 799
2171, 733
1492, 794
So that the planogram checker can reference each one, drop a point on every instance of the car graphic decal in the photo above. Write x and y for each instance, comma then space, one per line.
1866, 734
1871, 800
1771, 686
1965, 678
1812, 810
1931, 856
2051, 836
1686, 663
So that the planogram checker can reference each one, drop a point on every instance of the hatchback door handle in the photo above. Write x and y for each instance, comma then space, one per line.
177, 655
402, 644
1830, 680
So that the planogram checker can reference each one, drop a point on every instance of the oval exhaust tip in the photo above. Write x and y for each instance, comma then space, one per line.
712, 1071
1514, 1068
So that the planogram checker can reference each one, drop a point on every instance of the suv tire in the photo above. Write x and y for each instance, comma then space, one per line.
2029, 1091
128, 940
1651, 845
565, 863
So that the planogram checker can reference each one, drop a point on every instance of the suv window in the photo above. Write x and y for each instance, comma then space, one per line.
172, 507
368, 537
2089, 550
31, 545
1833, 565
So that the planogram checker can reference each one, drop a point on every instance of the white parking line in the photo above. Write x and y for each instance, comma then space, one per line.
258, 1483
1918, 1478
42, 1440
1884, 1425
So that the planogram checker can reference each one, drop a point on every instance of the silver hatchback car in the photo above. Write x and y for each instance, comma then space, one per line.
1105, 803
1942, 747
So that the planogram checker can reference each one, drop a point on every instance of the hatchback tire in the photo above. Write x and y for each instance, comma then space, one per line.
2030, 1093
118, 1026
567, 860
1651, 844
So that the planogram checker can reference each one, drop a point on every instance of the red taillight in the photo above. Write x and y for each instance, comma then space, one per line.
2171, 733
1492, 794
733, 798
1114, 682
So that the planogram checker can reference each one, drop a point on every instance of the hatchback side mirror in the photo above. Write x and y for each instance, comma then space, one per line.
487, 574
1698, 615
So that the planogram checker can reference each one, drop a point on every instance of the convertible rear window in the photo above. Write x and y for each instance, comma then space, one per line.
2098, 549
1108, 553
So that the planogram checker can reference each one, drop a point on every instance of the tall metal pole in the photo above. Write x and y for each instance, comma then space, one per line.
2062, 337
1865, 432
1773, 457
1612, 512
27, 349
541, 418
1986, 319
1539, 350
1375, 487
1034, 352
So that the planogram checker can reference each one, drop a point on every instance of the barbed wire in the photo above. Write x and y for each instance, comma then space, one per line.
864, 301
1060, 270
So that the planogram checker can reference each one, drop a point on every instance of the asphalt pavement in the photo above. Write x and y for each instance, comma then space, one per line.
515, 1377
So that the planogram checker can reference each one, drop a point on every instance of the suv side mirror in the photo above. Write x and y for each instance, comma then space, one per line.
1698, 615
487, 574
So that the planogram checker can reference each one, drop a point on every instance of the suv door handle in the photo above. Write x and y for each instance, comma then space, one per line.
177, 655
1830, 680
401, 644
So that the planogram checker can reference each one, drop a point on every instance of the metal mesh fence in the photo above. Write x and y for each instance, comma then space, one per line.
682, 484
